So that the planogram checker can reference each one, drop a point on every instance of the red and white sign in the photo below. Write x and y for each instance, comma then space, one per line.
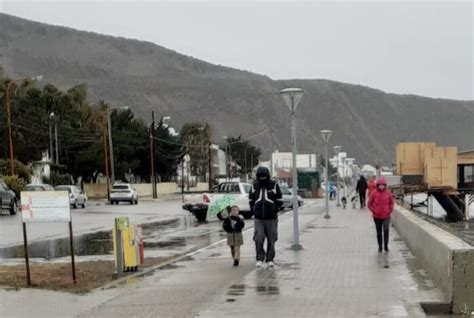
45, 206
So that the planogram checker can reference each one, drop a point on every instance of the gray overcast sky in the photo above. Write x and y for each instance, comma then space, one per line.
423, 48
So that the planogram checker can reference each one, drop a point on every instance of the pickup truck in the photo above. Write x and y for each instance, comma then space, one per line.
206, 205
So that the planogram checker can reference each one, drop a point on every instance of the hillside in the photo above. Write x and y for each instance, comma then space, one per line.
367, 122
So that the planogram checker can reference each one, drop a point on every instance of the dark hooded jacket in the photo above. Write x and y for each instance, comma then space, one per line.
361, 186
265, 196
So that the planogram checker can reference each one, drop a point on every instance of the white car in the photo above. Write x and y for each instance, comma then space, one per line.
123, 192
236, 192
76, 196
287, 198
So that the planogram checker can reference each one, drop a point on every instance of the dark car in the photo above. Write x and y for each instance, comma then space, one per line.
7, 198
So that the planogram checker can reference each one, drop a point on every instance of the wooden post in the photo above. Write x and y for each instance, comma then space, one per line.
106, 160
71, 247
27, 262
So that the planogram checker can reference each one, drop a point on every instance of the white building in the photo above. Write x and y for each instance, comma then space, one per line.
284, 161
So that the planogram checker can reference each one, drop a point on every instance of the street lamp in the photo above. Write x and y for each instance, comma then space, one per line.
111, 145
337, 150
326, 134
349, 163
9, 119
292, 97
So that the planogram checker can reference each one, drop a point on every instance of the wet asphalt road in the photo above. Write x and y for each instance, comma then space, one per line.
96, 217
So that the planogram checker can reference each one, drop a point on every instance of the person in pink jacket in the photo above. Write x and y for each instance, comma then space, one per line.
381, 205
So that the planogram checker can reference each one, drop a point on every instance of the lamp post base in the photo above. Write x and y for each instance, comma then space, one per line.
327, 216
296, 247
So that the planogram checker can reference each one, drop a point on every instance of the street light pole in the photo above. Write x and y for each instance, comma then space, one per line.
9, 117
337, 150
292, 97
326, 134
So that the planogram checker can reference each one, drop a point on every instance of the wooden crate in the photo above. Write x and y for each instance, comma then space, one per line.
410, 157
441, 167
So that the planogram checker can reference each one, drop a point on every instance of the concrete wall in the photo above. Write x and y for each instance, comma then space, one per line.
99, 190
448, 260
95, 190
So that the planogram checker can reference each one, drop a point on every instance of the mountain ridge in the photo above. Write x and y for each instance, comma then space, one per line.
367, 122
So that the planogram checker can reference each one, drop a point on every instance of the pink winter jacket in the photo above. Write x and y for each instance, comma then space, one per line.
381, 204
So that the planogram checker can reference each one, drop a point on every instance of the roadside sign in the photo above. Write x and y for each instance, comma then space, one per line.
45, 206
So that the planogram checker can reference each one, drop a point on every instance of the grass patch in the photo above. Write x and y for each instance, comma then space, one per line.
58, 276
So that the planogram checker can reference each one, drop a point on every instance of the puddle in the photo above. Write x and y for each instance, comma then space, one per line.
167, 234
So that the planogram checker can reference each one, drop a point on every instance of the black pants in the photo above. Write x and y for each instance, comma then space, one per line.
362, 199
382, 225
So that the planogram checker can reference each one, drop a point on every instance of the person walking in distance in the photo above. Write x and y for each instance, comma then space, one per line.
361, 188
371, 186
234, 225
381, 205
264, 201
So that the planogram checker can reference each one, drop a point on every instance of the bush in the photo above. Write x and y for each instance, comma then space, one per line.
21, 170
15, 183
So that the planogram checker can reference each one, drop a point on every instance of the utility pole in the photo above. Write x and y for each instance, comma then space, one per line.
152, 156
51, 153
209, 161
111, 145
246, 167
271, 152
106, 160
56, 141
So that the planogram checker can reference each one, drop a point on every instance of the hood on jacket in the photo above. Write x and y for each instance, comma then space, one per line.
263, 172
381, 181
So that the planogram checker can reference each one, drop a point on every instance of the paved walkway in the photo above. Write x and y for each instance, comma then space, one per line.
338, 274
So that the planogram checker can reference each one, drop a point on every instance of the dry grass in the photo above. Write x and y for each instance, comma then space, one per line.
90, 275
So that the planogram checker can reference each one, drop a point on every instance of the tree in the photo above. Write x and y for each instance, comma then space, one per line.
243, 153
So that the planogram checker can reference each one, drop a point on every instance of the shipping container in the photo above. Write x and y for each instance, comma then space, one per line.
441, 167
410, 157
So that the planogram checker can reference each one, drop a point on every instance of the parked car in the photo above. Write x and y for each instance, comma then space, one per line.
236, 192
123, 192
7, 198
38, 187
76, 196
287, 198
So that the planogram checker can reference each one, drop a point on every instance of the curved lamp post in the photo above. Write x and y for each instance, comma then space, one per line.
292, 97
326, 135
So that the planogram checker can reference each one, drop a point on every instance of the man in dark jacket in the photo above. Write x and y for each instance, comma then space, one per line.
264, 202
361, 188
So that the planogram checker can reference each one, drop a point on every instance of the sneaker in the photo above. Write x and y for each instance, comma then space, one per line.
259, 264
386, 249
236, 262
270, 264
380, 249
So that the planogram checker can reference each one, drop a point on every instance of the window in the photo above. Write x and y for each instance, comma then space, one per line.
468, 174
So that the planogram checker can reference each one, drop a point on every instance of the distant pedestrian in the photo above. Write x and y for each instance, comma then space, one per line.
361, 188
381, 205
233, 225
265, 203
371, 186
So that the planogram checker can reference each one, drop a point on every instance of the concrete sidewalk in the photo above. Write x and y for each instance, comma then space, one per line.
338, 274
